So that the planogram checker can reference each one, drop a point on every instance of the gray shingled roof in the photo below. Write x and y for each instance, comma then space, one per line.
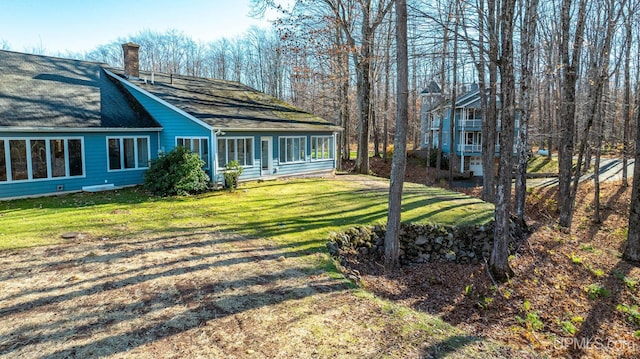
432, 88
47, 92
229, 105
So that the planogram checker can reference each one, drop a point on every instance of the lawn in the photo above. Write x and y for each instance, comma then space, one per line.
542, 164
223, 274
282, 211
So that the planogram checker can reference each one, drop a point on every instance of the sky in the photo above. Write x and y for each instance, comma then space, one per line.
78, 26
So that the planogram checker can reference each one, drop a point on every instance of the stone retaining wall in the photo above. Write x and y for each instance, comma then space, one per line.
420, 243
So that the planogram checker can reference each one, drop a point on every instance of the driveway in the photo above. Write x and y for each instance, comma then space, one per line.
610, 171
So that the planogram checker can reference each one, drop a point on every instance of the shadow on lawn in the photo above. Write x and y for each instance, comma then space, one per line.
360, 210
197, 297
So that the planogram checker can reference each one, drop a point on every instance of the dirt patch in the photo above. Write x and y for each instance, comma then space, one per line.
415, 171
202, 294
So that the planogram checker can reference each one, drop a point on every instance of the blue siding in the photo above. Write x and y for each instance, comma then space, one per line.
282, 169
174, 124
95, 165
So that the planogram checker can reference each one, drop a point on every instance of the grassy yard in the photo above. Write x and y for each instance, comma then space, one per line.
283, 211
239, 274
542, 164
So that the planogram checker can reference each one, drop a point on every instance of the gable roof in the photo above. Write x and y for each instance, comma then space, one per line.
469, 99
42, 92
432, 89
228, 105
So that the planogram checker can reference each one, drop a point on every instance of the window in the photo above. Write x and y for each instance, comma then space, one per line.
58, 161
3, 162
235, 149
128, 153
199, 145
474, 114
321, 147
18, 159
293, 149
40, 158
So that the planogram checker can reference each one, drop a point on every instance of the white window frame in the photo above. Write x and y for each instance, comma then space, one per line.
47, 140
235, 139
299, 138
137, 166
329, 142
206, 160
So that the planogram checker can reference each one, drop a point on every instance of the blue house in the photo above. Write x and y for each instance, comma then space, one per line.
69, 125
467, 117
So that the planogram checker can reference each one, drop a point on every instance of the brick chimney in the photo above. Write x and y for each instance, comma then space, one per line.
131, 59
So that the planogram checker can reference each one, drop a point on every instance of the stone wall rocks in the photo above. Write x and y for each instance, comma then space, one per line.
419, 242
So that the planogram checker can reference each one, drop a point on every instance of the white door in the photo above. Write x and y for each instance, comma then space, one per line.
266, 156
475, 165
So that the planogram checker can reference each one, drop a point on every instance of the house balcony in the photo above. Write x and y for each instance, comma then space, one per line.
470, 124
470, 149
475, 149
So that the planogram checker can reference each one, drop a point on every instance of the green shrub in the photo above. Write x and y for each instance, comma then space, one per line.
231, 174
178, 172
433, 158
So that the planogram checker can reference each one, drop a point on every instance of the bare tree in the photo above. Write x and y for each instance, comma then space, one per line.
499, 261
385, 110
361, 44
456, 14
490, 123
527, 49
632, 249
391, 240
609, 14
569, 62
626, 111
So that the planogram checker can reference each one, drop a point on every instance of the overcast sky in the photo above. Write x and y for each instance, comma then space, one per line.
59, 26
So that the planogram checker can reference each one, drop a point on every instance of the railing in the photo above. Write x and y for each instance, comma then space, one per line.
474, 148
470, 123
469, 148
435, 124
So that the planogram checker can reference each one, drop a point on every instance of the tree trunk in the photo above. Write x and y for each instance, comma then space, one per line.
626, 111
363, 90
499, 262
489, 125
596, 165
376, 125
600, 73
632, 250
387, 67
443, 85
344, 106
391, 240
528, 33
454, 92
568, 107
